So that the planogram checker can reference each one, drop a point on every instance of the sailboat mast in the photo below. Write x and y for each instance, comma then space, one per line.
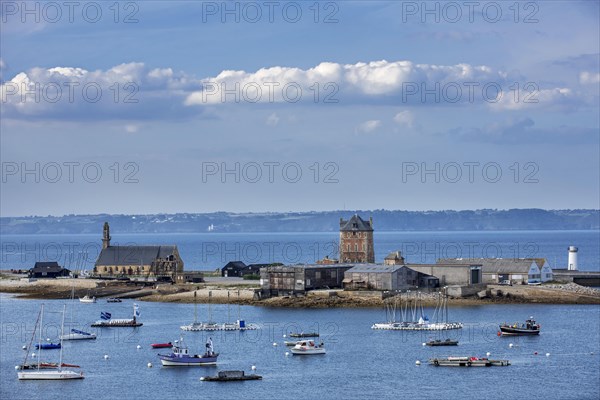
195, 308
209, 307
62, 332
228, 308
39, 354
239, 306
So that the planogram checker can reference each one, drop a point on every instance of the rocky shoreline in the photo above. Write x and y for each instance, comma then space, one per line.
242, 294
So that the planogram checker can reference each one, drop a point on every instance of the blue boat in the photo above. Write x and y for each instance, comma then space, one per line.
180, 355
47, 346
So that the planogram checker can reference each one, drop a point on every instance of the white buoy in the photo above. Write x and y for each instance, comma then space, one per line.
17, 367
106, 356
418, 362
253, 368
33, 355
284, 335
25, 348
201, 378
424, 344
488, 354
547, 354
287, 353
274, 344
47, 339
511, 345
149, 365
138, 347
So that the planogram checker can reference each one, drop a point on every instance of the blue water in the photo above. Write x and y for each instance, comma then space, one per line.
204, 251
360, 362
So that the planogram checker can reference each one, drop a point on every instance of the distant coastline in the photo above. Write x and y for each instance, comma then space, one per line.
310, 221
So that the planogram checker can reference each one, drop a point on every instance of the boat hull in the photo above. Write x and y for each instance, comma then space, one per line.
309, 352
49, 375
508, 331
78, 336
169, 361
49, 346
196, 327
443, 343
117, 323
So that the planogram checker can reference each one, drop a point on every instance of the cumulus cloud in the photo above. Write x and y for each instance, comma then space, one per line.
132, 128
368, 126
586, 77
126, 91
405, 118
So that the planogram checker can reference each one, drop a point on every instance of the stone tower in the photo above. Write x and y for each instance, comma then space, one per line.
106, 236
356, 240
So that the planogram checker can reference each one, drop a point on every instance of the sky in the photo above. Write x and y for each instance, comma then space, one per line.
139, 107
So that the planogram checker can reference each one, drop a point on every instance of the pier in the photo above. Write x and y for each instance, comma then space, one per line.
583, 278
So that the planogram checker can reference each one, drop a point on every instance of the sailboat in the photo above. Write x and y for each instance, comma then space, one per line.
41, 373
239, 325
421, 323
76, 334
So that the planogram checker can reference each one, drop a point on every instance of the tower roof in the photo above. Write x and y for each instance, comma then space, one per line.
355, 223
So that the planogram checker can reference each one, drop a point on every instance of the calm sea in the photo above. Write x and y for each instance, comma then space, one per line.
360, 363
203, 251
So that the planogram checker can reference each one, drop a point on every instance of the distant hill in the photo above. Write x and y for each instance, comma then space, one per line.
317, 221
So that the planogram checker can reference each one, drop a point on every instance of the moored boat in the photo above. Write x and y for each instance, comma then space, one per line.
87, 299
307, 347
447, 342
76, 334
180, 355
467, 362
529, 328
304, 335
161, 345
47, 346
113, 300
106, 320
229, 376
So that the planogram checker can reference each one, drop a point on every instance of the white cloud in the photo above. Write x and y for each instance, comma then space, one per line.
587, 77
368, 126
405, 118
273, 119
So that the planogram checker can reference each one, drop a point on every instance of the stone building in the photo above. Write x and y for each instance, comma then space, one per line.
394, 258
356, 240
145, 261
514, 270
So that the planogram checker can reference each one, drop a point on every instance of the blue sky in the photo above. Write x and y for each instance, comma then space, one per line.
156, 106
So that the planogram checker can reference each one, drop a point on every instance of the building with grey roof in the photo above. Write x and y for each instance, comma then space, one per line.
515, 270
136, 260
386, 277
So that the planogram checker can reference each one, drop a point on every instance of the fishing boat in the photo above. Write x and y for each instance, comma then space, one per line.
413, 317
76, 334
180, 355
307, 347
87, 299
47, 346
113, 300
161, 345
239, 325
467, 362
46, 371
447, 342
529, 328
106, 320
230, 376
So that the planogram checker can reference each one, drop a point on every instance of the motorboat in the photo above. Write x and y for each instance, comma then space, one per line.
307, 347
529, 328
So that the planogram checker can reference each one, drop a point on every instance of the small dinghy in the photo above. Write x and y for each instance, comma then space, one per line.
47, 346
304, 335
161, 345
467, 362
114, 300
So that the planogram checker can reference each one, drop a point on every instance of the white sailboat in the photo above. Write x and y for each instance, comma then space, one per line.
76, 334
49, 374
421, 323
